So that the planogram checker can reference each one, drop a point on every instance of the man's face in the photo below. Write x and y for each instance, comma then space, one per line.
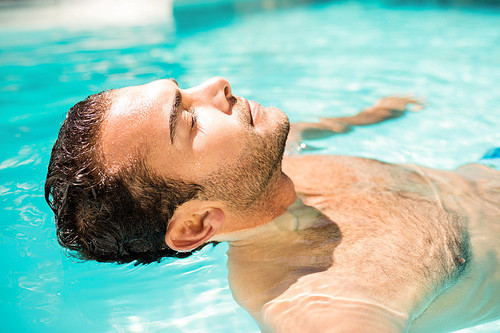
205, 135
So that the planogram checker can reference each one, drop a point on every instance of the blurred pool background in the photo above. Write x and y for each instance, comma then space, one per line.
311, 58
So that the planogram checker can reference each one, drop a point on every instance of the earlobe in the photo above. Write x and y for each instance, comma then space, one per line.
192, 226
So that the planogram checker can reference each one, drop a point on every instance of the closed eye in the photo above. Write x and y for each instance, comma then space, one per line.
194, 118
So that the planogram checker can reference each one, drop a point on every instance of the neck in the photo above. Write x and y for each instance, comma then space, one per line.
276, 200
285, 221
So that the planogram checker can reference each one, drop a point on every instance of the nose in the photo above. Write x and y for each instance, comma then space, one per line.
215, 92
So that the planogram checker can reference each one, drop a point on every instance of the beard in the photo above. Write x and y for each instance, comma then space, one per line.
244, 184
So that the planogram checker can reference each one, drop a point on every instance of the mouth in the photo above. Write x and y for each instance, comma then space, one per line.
253, 111
249, 110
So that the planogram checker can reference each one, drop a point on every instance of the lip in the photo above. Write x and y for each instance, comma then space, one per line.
249, 108
254, 108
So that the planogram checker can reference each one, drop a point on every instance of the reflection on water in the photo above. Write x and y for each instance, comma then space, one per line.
78, 14
321, 59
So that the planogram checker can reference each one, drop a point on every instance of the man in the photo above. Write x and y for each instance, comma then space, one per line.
317, 243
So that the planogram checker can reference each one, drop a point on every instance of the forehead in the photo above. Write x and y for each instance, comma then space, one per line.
140, 99
136, 116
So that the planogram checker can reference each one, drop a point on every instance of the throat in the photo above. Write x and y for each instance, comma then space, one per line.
296, 217
298, 237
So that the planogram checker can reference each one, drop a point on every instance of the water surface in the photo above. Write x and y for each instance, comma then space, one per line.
316, 60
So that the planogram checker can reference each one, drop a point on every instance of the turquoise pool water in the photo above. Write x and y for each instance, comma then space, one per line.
326, 59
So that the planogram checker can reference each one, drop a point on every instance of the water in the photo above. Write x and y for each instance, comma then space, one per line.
326, 59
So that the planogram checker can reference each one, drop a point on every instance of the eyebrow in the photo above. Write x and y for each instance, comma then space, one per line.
174, 115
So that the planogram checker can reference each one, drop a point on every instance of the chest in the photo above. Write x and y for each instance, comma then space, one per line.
391, 246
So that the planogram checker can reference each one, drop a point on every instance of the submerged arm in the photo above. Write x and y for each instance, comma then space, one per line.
321, 313
386, 108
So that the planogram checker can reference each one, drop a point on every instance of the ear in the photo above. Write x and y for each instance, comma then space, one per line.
193, 223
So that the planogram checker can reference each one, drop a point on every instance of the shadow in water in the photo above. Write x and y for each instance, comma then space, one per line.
264, 269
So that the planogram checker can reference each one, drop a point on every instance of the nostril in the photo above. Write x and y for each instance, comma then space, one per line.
227, 91
229, 95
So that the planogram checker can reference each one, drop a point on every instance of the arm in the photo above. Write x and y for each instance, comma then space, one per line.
320, 313
386, 108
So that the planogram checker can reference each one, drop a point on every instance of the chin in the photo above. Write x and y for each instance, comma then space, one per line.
279, 117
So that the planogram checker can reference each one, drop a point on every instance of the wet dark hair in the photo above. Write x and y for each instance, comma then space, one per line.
119, 217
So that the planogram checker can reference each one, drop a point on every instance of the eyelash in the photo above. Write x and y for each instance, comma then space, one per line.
194, 117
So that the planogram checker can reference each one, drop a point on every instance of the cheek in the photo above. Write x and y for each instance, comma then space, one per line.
219, 140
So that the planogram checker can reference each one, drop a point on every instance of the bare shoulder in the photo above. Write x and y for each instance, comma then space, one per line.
339, 160
324, 173
481, 174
